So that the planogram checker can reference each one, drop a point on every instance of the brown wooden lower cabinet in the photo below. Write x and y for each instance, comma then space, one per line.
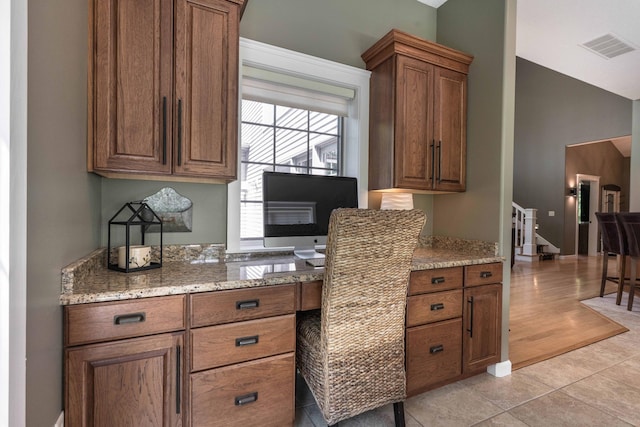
483, 327
132, 382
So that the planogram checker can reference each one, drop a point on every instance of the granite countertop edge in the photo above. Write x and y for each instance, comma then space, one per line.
207, 267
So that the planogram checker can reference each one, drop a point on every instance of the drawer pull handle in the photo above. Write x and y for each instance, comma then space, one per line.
129, 318
247, 341
437, 280
244, 305
485, 274
436, 349
438, 306
246, 399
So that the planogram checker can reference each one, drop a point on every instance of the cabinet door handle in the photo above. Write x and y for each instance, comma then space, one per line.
439, 161
164, 130
433, 160
470, 329
246, 398
178, 375
123, 319
436, 307
240, 342
485, 274
436, 349
179, 132
437, 280
244, 305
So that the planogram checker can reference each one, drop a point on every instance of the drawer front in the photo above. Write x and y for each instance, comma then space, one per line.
310, 295
213, 308
482, 274
105, 321
428, 308
440, 279
257, 393
434, 354
222, 345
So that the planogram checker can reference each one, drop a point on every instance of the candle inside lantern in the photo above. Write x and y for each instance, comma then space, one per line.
139, 256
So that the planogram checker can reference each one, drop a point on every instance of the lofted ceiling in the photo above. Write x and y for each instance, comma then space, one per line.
552, 33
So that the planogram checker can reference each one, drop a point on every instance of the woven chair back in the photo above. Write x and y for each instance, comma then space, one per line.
367, 267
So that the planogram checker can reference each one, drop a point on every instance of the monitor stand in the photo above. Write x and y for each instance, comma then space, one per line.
307, 252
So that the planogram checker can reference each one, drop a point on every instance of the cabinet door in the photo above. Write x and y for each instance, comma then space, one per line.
132, 382
205, 133
132, 86
450, 130
482, 318
413, 127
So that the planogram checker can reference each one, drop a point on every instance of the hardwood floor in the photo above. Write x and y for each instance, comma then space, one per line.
546, 316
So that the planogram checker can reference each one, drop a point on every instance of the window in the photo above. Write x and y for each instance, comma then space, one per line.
306, 91
282, 139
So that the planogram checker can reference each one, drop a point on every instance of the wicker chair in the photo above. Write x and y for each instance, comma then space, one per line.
629, 228
351, 352
612, 243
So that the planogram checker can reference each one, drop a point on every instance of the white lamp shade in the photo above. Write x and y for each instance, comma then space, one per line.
396, 201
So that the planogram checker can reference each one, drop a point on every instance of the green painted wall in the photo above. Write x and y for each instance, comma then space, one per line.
477, 28
334, 30
63, 200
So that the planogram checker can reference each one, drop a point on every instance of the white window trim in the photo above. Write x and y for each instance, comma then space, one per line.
299, 65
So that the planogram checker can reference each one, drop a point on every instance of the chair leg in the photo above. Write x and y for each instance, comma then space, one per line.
398, 413
605, 265
632, 281
621, 273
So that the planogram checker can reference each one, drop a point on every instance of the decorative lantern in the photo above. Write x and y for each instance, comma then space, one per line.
134, 257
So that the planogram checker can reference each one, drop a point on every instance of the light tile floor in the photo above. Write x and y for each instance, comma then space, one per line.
597, 385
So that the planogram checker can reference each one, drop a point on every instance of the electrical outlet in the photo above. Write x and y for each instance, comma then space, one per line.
60, 421
552, 213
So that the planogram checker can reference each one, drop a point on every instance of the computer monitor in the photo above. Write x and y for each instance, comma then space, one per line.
297, 208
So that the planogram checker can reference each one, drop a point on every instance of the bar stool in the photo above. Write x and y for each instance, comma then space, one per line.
629, 227
612, 243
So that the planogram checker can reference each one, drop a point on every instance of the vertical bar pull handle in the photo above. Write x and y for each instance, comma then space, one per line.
178, 376
179, 132
164, 130
470, 330
433, 160
439, 161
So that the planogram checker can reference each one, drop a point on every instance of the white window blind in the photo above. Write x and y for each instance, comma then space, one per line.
275, 87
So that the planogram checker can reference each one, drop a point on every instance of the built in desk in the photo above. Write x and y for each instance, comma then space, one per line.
213, 337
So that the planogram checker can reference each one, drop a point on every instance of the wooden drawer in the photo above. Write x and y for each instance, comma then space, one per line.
105, 321
434, 354
310, 295
213, 308
440, 279
222, 345
482, 274
428, 308
256, 393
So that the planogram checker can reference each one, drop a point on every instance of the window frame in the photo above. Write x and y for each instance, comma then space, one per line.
356, 123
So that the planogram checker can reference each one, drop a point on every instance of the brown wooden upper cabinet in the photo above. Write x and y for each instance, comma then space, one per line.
417, 135
163, 95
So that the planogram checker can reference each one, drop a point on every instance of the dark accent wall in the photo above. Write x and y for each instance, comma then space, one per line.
553, 111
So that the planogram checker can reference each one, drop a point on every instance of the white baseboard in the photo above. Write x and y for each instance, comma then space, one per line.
60, 420
501, 369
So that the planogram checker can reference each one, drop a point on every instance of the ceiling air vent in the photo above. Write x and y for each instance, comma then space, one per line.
609, 46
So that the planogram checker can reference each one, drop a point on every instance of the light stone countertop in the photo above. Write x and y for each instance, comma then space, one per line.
200, 268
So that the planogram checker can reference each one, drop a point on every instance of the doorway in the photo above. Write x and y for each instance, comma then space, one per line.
588, 202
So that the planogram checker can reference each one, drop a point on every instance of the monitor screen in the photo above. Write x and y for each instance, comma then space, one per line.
297, 208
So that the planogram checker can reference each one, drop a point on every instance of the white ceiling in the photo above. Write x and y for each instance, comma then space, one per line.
550, 33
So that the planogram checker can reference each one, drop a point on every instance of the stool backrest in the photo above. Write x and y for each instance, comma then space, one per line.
629, 229
611, 241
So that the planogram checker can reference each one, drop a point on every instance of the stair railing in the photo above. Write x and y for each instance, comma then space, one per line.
524, 221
